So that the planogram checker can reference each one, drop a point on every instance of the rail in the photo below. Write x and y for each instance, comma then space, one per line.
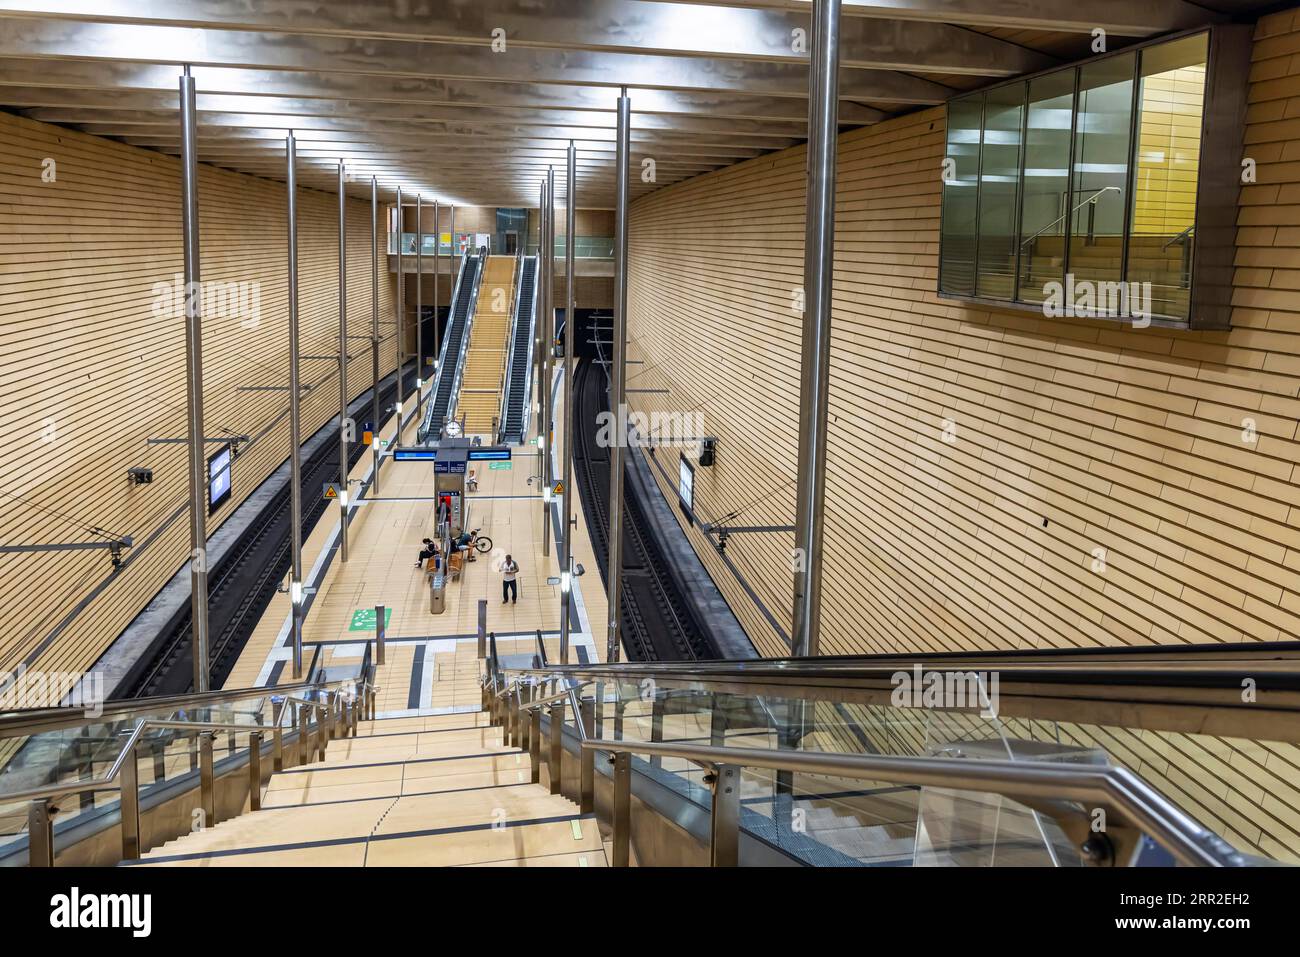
1054, 775
471, 306
508, 358
1092, 198
426, 427
336, 707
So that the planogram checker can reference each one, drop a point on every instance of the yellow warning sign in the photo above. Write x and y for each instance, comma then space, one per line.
559, 488
331, 492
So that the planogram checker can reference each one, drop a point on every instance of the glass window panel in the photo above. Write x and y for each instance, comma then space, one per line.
1046, 183
1166, 163
1100, 172
960, 196
999, 191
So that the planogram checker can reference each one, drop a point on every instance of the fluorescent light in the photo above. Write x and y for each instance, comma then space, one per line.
295, 592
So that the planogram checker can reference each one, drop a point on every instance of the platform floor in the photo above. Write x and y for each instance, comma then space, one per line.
431, 664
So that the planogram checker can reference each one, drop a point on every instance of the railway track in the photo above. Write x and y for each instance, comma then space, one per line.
242, 584
656, 623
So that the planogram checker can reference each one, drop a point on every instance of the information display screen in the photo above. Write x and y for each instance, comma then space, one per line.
686, 487
219, 478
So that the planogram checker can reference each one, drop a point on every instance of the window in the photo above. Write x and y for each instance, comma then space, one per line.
1078, 191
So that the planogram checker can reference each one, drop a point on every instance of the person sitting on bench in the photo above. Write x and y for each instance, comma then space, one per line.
430, 550
464, 542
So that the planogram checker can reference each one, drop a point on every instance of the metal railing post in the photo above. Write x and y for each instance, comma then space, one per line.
129, 805
381, 632
555, 739
207, 789
277, 736
657, 725
322, 732
535, 744
255, 770
724, 831
587, 762
40, 834
622, 836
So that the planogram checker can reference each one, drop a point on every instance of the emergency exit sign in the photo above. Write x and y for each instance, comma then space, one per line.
499, 466
363, 619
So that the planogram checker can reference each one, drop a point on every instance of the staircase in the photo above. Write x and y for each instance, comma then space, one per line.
515, 427
480, 391
444, 388
423, 791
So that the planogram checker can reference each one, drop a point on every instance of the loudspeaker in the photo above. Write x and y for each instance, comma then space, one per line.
707, 448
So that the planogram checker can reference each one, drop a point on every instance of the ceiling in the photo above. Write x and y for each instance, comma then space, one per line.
414, 93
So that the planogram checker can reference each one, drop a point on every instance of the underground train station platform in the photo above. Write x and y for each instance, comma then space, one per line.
690, 440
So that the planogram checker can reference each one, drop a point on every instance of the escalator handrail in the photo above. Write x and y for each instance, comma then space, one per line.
471, 306
527, 406
1064, 792
426, 427
510, 352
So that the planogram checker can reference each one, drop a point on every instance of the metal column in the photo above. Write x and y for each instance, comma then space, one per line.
437, 272
566, 551
343, 364
401, 321
374, 327
198, 466
538, 305
295, 415
419, 305
548, 358
819, 256
618, 376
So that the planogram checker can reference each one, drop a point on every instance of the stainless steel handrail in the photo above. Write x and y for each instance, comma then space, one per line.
1037, 785
426, 427
95, 784
509, 351
453, 398
23, 723
1091, 199
1180, 238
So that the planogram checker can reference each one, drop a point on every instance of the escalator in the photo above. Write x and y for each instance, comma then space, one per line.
453, 350
514, 419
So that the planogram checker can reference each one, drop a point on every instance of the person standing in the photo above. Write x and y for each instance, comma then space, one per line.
509, 587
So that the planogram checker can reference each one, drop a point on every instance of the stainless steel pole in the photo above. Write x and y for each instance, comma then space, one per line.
401, 319
295, 414
538, 305
618, 374
548, 361
194, 386
374, 327
565, 543
437, 271
419, 305
343, 364
819, 264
